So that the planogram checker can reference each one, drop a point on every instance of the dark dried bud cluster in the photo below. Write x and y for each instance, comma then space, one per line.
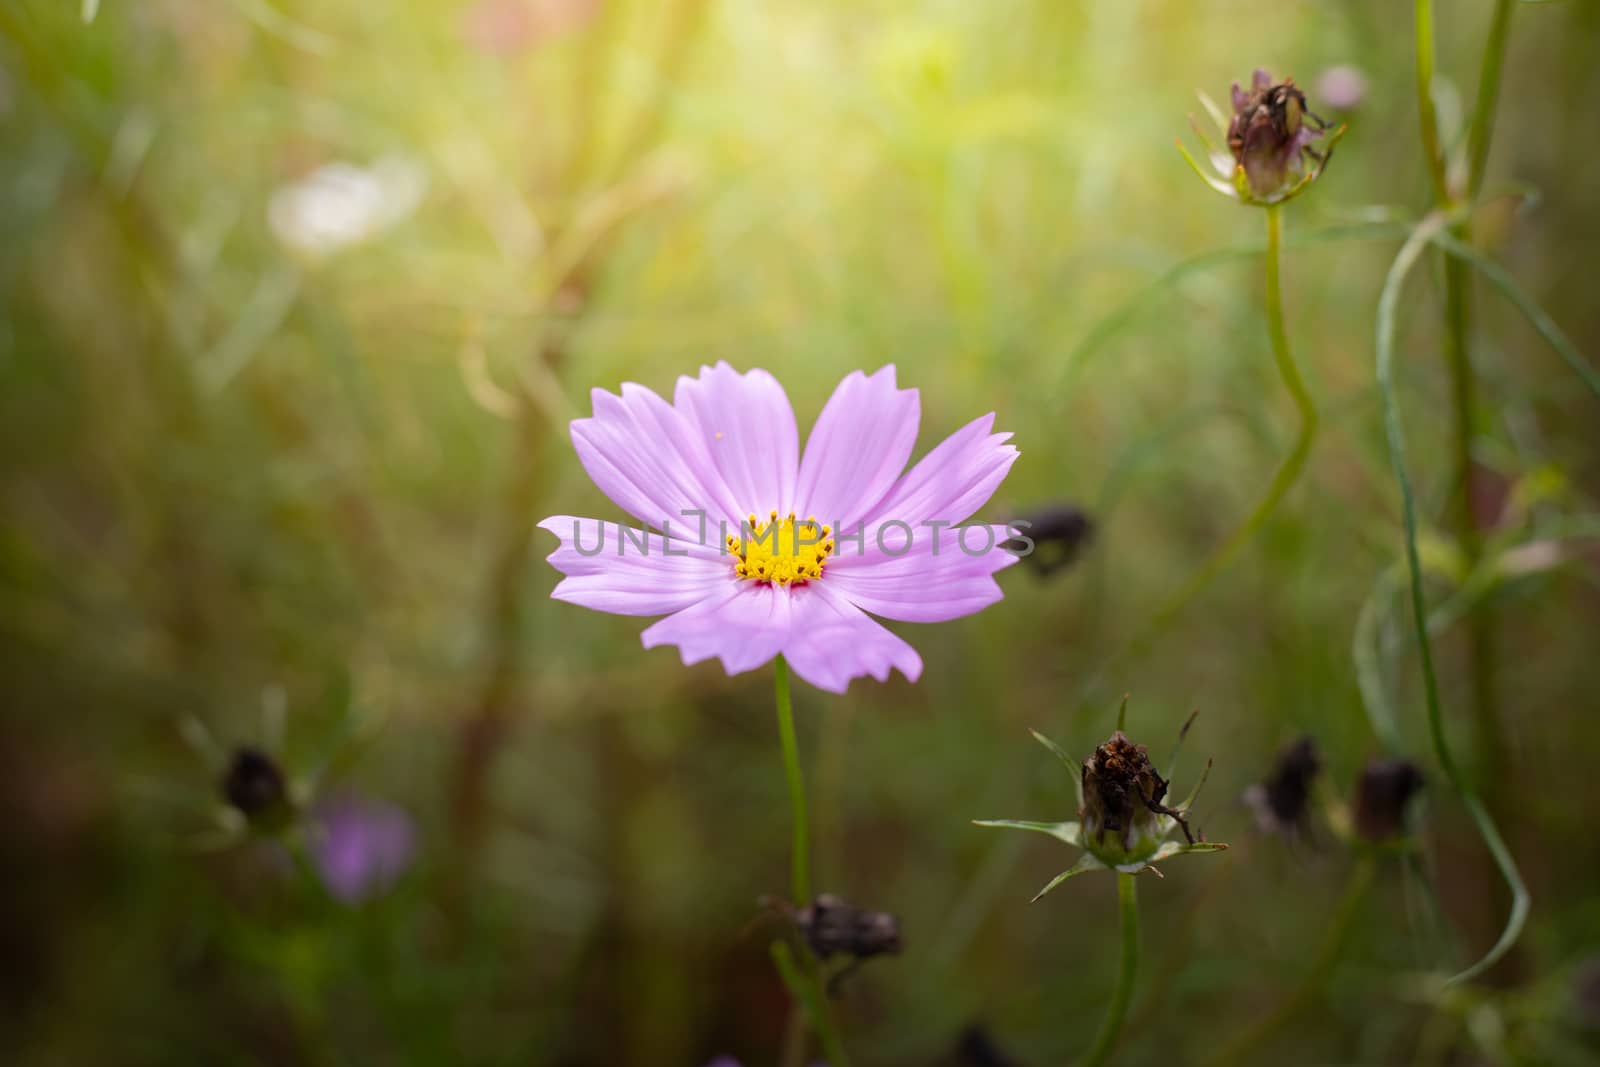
1382, 796
1057, 534
832, 926
256, 787
1270, 137
1122, 795
1282, 801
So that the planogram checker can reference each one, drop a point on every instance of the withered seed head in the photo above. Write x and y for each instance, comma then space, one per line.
832, 926
255, 786
1382, 795
1122, 794
1282, 800
1269, 135
1052, 536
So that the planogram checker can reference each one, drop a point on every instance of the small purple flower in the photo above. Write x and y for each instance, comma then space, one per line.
719, 484
361, 846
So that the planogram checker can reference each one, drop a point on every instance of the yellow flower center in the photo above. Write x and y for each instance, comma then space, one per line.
787, 551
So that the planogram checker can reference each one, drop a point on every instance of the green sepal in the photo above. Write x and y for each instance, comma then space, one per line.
1086, 862
1188, 801
1061, 754
1217, 184
1183, 848
1070, 832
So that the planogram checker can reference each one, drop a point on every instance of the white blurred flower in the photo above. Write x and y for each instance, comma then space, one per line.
341, 204
1342, 87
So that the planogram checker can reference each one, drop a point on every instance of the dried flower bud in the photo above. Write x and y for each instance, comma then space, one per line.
832, 926
256, 787
1269, 138
1281, 802
977, 1048
1123, 821
1050, 539
1122, 795
1270, 135
1382, 796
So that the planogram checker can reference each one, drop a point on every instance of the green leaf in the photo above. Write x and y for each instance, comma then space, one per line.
1537, 317
1085, 863
1061, 754
1070, 832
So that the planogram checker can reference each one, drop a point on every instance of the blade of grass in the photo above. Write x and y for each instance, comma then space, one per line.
1388, 303
1497, 276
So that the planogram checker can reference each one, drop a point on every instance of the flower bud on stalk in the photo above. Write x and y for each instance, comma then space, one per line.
1124, 823
1282, 801
256, 787
1270, 140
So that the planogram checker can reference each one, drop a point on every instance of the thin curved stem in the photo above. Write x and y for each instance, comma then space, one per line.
1288, 473
1127, 972
1388, 302
1426, 112
805, 983
1317, 975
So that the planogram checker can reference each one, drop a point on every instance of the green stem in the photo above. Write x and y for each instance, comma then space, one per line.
1494, 61
806, 984
1490, 737
1489, 734
1425, 110
800, 854
1288, 473
1127, 972
1317, 976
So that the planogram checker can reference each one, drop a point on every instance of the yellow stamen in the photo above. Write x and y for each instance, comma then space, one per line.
782, 551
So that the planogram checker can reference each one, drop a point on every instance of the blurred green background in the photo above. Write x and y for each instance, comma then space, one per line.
297, 299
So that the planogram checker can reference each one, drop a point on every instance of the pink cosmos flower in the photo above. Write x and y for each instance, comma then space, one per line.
751, 549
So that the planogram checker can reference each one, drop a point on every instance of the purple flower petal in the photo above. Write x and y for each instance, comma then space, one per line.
832, 642
361, 846
858, 448
936, 579
744, 627
629, 572
954, 480
646, 456
748, 429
